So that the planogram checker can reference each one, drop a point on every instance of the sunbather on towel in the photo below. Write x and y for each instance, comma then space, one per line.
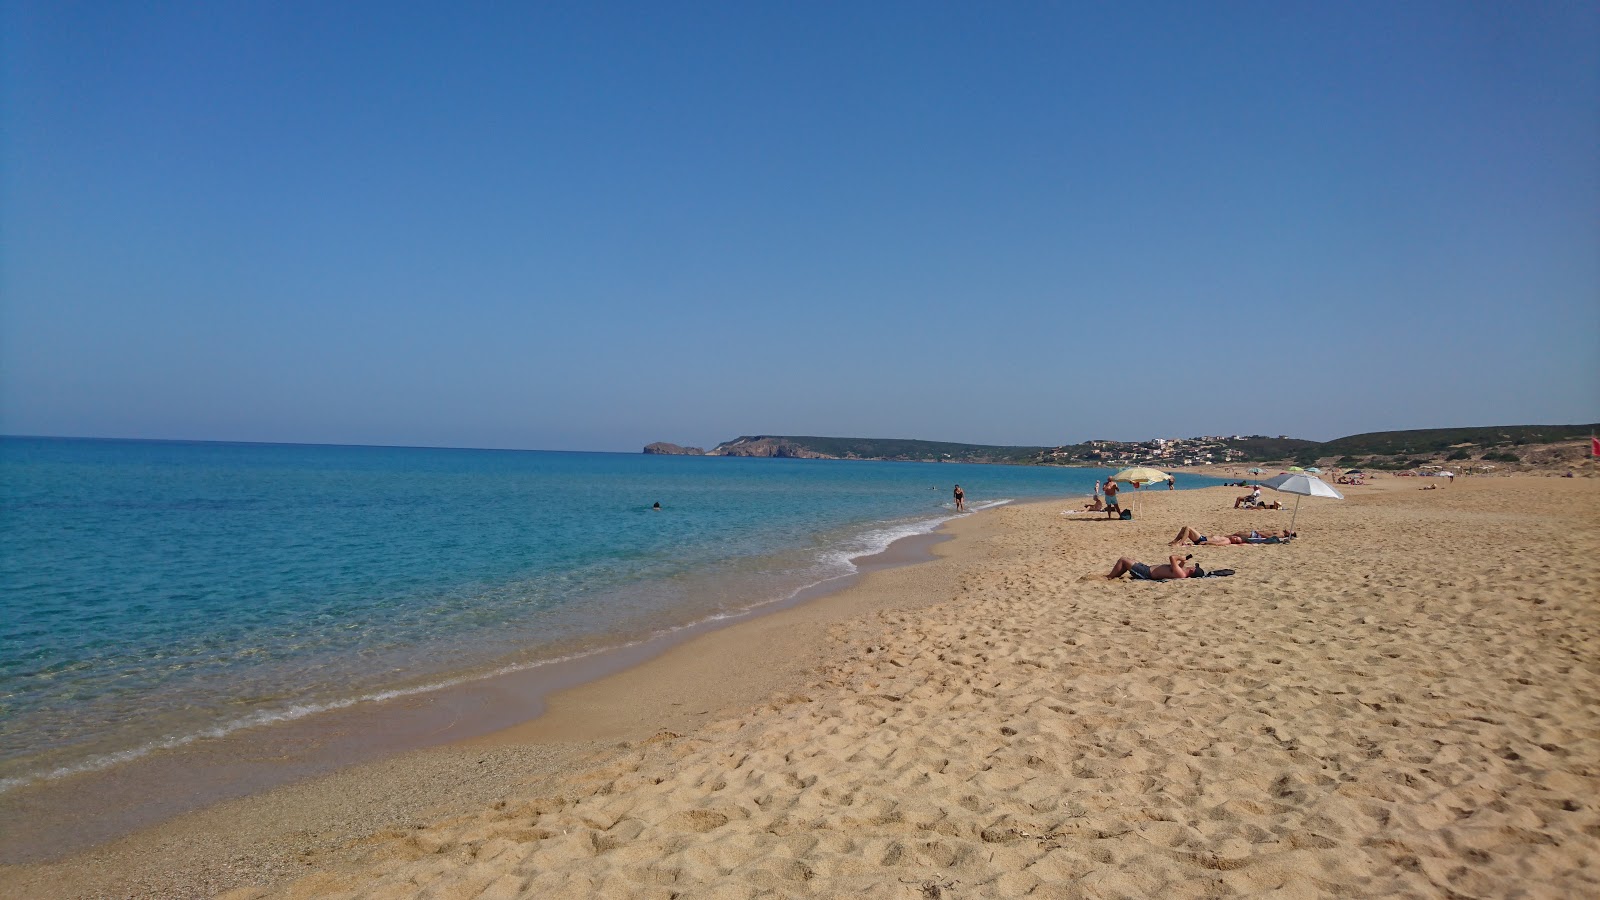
1173, 568
1187, 535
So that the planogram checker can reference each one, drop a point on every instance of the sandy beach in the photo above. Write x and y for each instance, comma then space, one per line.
1403, 702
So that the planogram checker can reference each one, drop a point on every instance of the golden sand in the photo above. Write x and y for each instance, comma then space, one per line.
1404, 702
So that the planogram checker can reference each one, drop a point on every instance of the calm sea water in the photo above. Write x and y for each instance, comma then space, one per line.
155, 593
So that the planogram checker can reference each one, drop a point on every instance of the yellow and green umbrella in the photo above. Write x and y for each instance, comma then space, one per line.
1139, 476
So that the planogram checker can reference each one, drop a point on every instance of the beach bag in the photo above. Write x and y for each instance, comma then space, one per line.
1126, 515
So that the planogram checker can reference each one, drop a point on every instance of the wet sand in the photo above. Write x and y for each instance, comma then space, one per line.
264, 801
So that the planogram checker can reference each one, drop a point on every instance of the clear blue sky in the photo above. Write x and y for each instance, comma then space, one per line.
590, 226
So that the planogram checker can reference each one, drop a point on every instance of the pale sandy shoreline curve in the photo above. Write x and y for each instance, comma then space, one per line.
272, 834
1405, 702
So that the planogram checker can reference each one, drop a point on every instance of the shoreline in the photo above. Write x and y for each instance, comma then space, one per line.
203, 770
500, 714
1335, 718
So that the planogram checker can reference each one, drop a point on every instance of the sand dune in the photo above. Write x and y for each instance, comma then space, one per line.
1404, 703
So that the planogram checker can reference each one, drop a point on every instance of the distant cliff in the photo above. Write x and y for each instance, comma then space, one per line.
762, 445
794, 447
665, 449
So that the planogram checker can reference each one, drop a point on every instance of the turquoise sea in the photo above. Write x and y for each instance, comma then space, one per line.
153, 594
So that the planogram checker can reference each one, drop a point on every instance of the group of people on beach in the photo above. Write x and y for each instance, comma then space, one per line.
1177, 567
1109, 505
1183, 567
1105, 497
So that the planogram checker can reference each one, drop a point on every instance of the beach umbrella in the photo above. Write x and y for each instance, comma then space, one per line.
1139, 476
1301, 485
1256, 471
1296, 469
1355, 472
1314, 470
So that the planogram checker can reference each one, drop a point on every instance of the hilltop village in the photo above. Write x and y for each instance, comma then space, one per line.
1195, 451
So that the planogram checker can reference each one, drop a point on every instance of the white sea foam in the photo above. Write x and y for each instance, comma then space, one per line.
277, 716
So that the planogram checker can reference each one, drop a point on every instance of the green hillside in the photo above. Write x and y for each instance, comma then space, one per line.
903, 449
1379, 449
1440, 440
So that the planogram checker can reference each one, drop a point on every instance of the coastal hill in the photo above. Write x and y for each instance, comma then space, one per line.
1505, 443
871, 448
1517, 446
1186, 451
785, 447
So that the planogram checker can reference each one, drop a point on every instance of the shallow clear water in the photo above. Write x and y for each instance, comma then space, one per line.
153, 592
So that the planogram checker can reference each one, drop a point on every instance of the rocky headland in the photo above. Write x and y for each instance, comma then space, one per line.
761, 445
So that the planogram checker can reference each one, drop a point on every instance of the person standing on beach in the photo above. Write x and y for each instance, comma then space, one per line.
1172, 483
1113, 505
961, 499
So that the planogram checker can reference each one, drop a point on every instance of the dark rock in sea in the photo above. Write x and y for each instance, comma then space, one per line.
666, 449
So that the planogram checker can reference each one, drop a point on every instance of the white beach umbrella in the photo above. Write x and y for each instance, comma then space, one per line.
1301, 485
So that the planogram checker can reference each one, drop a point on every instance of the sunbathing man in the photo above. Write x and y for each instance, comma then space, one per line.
1248, 500
1187, 535
1173, 568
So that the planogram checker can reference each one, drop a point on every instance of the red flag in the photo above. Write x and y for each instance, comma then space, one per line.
1594, 445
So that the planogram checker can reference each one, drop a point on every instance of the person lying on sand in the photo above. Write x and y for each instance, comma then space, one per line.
1173, 568
1187, 535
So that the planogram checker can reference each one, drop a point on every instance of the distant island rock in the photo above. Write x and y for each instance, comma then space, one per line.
665, 449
